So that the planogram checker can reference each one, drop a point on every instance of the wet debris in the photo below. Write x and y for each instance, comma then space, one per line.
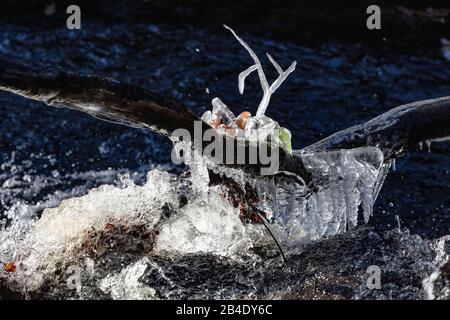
120, 238
9, 267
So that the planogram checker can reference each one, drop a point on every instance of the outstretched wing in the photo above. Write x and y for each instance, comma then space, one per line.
395, 131
102, 98
121, 103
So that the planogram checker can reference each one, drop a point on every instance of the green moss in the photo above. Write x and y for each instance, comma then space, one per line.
285, 139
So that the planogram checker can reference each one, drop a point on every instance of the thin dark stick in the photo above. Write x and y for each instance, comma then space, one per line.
271, 233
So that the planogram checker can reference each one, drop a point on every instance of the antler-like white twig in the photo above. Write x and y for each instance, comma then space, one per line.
267, 90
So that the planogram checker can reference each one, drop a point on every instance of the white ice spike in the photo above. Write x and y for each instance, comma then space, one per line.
267, 90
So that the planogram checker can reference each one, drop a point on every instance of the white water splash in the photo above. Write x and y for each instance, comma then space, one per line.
126, 285
208, 223
435, 286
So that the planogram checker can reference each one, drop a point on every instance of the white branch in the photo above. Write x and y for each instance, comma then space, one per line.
282, 77
243, 75
261, 75
275, 64
267, 90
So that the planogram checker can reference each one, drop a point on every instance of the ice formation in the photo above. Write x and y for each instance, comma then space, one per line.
244, 126
267, 90
347, 182
208, 223
203, 228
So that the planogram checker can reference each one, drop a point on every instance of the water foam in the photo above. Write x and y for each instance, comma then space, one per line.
207, 223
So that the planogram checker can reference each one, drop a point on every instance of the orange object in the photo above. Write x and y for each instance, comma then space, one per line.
10, 267
242, 119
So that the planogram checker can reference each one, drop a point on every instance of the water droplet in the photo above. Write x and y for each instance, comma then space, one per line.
428, 143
